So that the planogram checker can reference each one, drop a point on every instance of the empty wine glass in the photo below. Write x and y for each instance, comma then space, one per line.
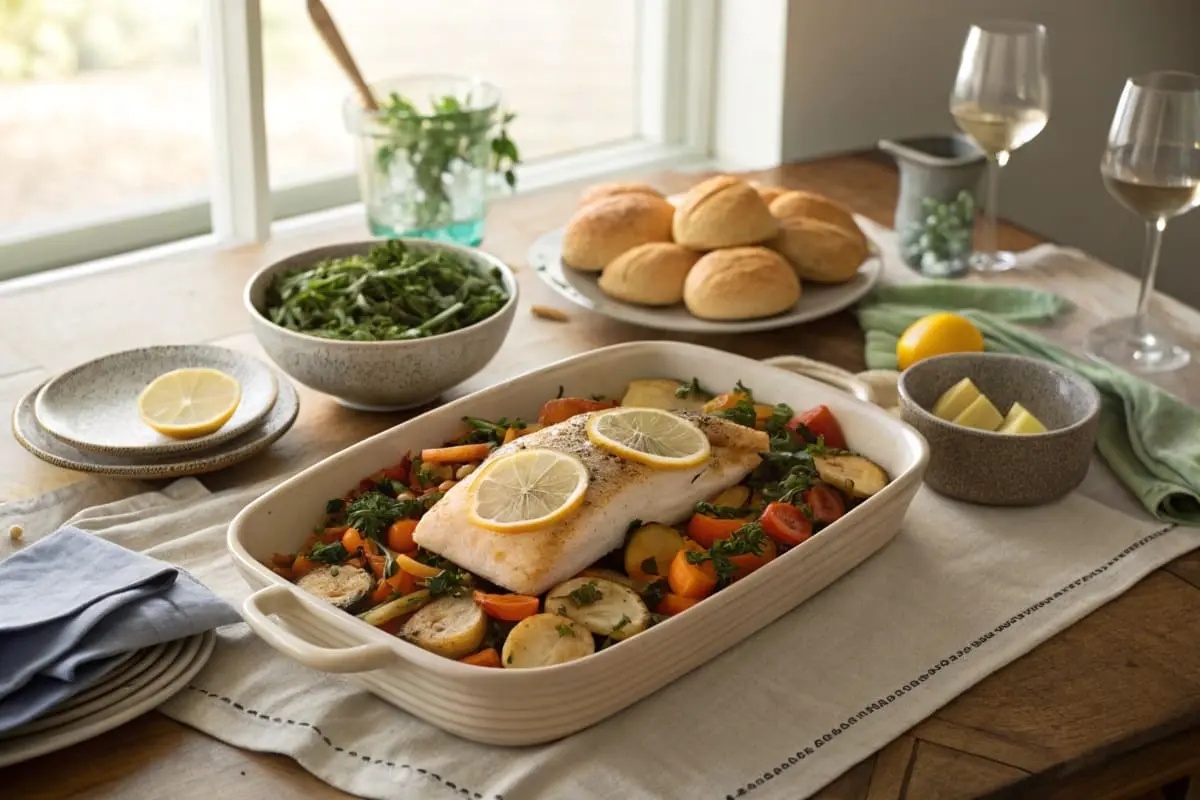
1152, 167
1001, 99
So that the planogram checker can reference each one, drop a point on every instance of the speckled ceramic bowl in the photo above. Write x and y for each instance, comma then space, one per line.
381, 376
1003, 469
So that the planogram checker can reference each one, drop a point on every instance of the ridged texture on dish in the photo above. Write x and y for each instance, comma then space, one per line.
522, 707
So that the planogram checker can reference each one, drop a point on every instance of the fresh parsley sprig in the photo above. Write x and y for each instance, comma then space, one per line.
742, 413
746, 540
431, 146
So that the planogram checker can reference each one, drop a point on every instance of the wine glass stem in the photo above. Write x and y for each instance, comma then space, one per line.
992, 206
1154, 232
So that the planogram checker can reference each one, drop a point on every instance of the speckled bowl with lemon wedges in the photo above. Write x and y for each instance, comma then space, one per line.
1021, 430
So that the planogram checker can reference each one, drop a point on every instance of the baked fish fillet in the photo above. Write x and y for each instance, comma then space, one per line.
619, 491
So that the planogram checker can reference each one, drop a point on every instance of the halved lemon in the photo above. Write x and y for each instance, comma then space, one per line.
526, 490
649, 436
186, 403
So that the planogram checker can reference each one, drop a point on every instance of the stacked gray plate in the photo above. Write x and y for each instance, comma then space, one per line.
135, 684
87, 418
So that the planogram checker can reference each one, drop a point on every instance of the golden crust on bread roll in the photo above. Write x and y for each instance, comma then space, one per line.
740, 283
602, 230
819, 251
649, 274
612, 188
816, 206
769, 193
723, 212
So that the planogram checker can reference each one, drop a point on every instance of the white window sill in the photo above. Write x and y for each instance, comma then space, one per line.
34, 261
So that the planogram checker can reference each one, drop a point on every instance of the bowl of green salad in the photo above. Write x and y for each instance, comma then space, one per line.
386, 324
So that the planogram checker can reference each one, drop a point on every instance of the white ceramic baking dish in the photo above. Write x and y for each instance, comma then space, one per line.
518, 707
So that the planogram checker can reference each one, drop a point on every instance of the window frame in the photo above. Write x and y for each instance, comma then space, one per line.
676, 53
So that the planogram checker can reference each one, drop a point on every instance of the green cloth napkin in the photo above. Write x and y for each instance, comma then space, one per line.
1149, 438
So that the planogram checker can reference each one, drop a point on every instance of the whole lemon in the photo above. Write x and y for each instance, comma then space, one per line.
935, 335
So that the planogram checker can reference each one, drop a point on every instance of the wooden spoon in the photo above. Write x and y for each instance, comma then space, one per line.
333, 40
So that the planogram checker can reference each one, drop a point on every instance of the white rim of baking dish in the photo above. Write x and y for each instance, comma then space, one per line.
376, 648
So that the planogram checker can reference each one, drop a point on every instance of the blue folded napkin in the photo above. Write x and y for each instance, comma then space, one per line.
73, 603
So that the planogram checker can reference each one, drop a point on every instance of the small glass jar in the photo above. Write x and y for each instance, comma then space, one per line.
938, 241
424, 168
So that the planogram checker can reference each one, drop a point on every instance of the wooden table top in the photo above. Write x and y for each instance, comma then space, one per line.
1114, 696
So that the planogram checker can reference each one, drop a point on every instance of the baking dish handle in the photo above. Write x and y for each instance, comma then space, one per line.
284, 602
826, 373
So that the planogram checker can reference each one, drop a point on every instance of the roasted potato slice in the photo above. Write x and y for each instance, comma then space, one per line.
449, 626
341, 584
543, 640
603, 607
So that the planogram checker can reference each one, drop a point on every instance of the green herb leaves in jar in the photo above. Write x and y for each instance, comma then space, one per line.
433, 144
393, 292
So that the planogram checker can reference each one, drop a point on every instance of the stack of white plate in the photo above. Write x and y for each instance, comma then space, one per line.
87, 418
135, 684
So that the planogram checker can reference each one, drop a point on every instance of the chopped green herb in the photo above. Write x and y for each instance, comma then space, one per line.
372, 513
655, 619
741, 388
335, 571
650, 566
746, 540
564, 630
329, 553
510, 657
611, 638
587, 594
633, 526
483, 430
561, 392
393, 292
430, 147
654, 592
742, 413
452, 582
335, 506
720, 512
692, 389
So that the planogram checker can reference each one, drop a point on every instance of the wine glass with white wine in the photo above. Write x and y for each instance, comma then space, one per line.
1001, 99
1152, 167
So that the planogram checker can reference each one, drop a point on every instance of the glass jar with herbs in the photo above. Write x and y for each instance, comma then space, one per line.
430, 155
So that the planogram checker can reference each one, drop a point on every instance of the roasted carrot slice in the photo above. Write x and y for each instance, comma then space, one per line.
508, 607
691, 580
400, 535
458, 454
484, 658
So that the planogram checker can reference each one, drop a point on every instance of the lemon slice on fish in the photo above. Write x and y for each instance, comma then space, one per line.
186, 403
526, 490
649, 436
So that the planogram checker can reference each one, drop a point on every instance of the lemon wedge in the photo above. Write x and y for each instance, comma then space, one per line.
186, 403
526, 490
649, 436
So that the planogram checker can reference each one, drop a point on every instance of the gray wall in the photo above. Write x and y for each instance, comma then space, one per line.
860, 70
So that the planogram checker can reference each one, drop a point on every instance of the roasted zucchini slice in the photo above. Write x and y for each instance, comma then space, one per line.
341, 584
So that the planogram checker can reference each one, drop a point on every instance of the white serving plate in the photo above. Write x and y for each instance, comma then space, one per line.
519, 707
583, 289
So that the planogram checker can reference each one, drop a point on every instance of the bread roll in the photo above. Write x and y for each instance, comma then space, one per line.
723, 212
819, 251
769, 193
740, 283
611, 188
602, 230
816, 206
649, 274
